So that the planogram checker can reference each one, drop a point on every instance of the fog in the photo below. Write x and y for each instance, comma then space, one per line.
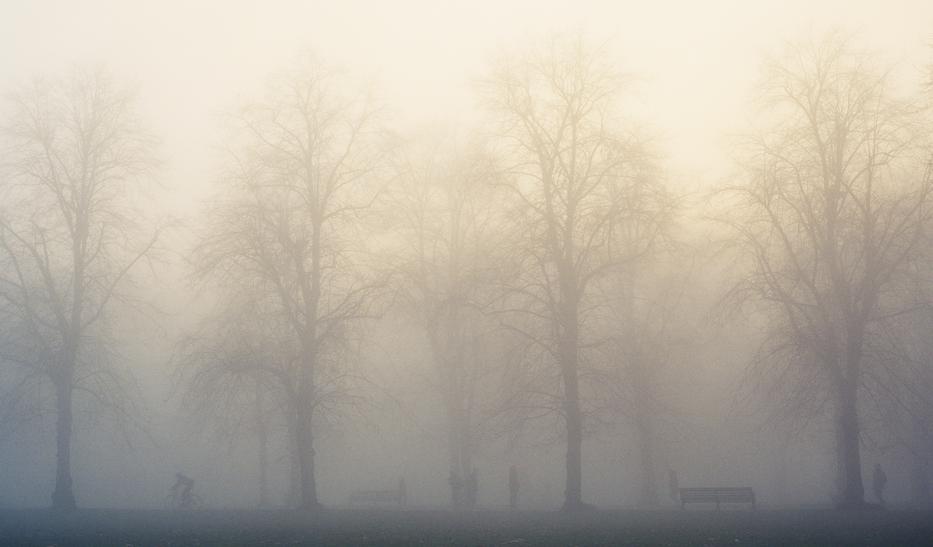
548, 254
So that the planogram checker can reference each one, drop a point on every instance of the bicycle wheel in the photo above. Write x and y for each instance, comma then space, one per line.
197, 502
170, 503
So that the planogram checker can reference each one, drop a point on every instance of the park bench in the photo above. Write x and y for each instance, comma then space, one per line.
717, 495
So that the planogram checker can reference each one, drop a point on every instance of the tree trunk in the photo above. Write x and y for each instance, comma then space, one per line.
453, 452
294, 471
309, 501
780, 470
63, 497
569, 346
920, 473
644, 428
303, 486
262, 438
466, 444
849, 450
466, 458
263, 471
642, 389
920, 482
306, 389
573, 491
460, 449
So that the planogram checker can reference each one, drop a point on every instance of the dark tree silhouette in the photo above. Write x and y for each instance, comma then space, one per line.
75, 153
444, 202
833, 208
289, 225
556, 112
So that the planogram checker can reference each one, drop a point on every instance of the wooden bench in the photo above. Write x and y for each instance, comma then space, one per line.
717, 495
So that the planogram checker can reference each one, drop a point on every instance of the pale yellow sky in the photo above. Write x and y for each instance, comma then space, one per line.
696, 61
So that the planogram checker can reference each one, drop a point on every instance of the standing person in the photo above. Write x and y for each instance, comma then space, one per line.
673, 484
513, 488
878, 481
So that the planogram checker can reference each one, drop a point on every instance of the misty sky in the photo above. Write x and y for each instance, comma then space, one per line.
694, 62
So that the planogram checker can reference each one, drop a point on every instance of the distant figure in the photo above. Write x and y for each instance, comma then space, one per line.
456, 489
181, 490
471, 488
673, 484
878, 481
513, 488
402, 492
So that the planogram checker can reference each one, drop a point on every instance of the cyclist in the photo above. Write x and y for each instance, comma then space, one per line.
181, 490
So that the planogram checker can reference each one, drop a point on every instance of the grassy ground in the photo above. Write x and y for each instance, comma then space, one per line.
438, 527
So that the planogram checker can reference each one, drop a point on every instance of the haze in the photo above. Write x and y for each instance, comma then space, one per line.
547, 255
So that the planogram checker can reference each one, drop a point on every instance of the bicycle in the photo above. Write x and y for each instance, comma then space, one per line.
174, 501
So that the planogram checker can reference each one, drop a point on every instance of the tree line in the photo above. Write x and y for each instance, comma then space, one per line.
546, 258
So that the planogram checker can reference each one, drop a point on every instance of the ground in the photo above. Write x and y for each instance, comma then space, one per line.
439, 527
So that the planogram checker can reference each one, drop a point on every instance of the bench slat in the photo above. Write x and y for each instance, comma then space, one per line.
717, 495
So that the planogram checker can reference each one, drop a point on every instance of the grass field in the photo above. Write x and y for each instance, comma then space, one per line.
439, 527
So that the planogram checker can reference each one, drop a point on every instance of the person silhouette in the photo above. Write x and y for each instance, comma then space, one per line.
879, 480
181, 490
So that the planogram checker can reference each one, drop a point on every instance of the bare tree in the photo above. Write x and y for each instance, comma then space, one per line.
648, 325
443, 201
899, 386
556, 109
641, 303
835, 201
235, 376
75, 154
290, 225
